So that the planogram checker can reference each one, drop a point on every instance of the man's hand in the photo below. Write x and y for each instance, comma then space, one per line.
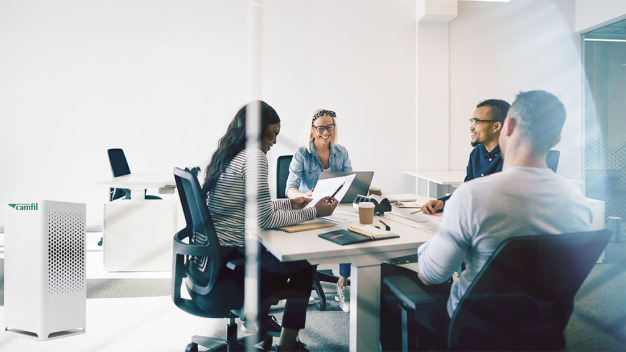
324, 208
300, 202
432, 206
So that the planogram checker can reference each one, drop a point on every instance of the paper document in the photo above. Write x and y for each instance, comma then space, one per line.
401, 197
405, 204
341, 216
419, 220
326, 188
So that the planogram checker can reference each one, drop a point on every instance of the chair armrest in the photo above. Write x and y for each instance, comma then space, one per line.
409, 293
236, 264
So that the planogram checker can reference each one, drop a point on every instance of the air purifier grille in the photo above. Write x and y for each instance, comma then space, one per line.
66, 252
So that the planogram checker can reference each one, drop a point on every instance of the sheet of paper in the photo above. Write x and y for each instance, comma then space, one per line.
405, 204
419, 220
402, 197
341, 216
326, 188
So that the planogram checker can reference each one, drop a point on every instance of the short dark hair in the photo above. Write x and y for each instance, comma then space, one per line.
498, 108
541, 116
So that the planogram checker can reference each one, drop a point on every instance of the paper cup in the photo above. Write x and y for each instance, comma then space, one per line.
366, 213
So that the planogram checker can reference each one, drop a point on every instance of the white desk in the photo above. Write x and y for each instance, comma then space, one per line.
436, 179
137, 233
137, 183
366, 259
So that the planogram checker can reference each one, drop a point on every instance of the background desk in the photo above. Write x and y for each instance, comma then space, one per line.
436, 184
137, 233
365, 258
138, 183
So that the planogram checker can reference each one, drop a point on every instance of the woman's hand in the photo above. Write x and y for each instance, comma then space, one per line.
300, 202
324, 208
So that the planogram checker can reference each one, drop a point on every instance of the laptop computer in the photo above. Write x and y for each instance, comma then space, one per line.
360, 185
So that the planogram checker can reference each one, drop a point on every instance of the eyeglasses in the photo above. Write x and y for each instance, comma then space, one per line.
474, 121
320, 129
322, 113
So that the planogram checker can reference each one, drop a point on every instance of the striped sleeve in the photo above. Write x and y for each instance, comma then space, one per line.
282, 204
269, 216
227, 202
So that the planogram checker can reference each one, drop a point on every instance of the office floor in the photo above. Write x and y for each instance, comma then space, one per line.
133, 312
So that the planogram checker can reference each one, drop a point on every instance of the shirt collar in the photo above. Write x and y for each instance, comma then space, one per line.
491, 154
333, 149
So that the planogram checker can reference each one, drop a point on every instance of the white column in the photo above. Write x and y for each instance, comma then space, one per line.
433, 84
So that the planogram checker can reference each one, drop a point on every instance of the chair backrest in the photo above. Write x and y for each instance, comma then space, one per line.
119, 167
523, 297
196, 246
282, 172
552, 159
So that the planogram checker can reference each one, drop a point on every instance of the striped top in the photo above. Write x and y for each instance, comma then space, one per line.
227, 202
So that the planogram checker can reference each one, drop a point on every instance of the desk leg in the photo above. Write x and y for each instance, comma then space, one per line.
365, 308
137, 194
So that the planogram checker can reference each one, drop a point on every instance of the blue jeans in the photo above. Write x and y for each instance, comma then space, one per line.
344, 269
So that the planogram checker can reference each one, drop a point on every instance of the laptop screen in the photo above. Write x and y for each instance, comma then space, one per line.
360, 185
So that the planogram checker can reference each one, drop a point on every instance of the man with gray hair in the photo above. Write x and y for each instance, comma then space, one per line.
521, 200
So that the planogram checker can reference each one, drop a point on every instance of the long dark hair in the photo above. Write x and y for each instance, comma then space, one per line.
234, 141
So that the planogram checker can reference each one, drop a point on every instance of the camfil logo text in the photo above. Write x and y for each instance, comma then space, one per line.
25, 206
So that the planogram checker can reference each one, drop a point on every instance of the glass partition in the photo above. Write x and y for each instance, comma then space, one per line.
604, 116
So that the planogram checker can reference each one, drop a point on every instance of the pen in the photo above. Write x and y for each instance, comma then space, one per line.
334, 194
417, 211
387, 227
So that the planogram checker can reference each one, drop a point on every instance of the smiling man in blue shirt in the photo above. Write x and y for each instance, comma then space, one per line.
485, 126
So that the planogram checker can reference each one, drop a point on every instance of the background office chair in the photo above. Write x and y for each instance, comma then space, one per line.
552, 159
119, 167
282, 173
219, 293
521, 300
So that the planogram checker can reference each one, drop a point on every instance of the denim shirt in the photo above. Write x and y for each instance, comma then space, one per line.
305, 167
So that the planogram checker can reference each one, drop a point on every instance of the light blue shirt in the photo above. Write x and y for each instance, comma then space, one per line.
483, 212
305, 167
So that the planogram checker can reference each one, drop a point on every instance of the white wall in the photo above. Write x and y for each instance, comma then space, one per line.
591, 14
162, 79
500, 49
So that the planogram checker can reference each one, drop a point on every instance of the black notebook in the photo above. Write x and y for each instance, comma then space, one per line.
344, 237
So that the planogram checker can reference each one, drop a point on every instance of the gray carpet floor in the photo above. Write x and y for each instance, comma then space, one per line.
598, 322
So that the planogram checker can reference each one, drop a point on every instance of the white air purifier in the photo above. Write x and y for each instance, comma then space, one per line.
45, 292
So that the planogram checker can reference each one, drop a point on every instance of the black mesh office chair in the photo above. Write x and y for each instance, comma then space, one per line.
282, 172
521, 300
552, 159
218, 292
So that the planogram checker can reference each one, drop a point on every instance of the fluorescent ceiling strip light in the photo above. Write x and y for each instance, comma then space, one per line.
605, 40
